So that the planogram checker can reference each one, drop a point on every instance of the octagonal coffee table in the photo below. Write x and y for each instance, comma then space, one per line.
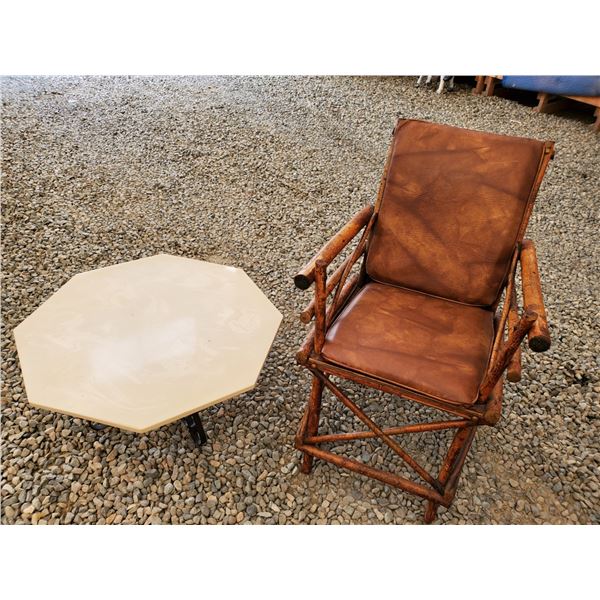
144, 343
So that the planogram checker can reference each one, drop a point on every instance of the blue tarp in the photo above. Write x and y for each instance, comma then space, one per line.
565, 85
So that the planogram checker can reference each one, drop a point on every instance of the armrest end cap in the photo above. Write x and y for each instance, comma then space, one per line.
302, 282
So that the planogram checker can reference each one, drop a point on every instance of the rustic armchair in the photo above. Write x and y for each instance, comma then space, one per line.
421, 316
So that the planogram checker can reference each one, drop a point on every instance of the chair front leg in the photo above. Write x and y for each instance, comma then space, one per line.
460, 439
312, 424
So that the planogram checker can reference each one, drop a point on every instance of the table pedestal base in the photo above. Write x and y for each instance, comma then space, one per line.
196, 430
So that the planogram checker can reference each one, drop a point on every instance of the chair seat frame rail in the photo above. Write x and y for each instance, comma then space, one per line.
332, 293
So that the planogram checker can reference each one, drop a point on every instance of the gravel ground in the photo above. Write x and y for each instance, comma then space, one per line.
257, 172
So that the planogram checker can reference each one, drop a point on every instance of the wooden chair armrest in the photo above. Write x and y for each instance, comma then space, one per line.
538, 335
333, 247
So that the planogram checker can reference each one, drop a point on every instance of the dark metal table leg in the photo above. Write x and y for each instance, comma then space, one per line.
196, 430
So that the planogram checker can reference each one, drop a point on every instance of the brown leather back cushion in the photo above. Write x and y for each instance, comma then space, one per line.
454, 205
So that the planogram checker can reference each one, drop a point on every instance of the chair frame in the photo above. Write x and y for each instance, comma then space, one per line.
505, 356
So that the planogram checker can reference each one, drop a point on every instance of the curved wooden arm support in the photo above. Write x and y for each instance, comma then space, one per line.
513, 372
333, 247
320, 304
539, 335
308, 313
506, 352
308, 345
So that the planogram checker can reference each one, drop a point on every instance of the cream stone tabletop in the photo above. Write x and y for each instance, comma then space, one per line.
147, 342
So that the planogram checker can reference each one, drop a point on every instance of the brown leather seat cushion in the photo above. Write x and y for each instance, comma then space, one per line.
454, 205
433, 346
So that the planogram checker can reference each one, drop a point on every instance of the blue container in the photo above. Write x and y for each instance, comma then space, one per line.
564, 85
